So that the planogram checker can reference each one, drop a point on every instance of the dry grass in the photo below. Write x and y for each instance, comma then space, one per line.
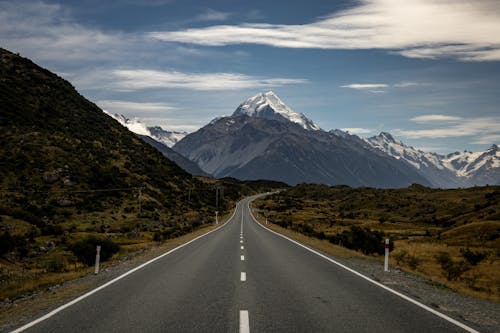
69, 284
322, 245
422, 223
482, 280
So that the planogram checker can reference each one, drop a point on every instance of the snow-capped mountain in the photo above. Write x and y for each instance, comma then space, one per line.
480, 168
395, 148
168, 138
459, 169
265, 139
268, 105
160, 139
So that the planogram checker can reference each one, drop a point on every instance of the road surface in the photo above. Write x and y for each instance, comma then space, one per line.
243, 278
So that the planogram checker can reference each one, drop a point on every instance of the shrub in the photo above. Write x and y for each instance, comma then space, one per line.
403, 257
55, 264
85, 249
452, 269
362, 239
472, 257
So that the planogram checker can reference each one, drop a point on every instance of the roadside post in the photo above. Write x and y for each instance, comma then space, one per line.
97, 259
216, 217
386, 259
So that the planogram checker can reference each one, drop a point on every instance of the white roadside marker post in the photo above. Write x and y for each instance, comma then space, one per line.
216, 217
386, 258
97, 259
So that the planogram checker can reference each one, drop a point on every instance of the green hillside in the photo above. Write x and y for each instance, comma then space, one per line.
69, 172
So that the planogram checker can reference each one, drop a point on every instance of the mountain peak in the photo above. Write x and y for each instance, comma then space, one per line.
269, 105
387, 136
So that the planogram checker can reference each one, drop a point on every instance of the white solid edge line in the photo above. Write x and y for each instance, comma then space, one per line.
397, 293
244, 322
78, 299
243, 276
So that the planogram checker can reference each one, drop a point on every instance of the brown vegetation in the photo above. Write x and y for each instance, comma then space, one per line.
449, 236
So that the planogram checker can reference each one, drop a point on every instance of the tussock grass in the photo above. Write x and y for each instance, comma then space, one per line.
423, 223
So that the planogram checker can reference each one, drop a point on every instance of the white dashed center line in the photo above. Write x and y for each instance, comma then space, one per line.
244, 322
242, 258
243, 276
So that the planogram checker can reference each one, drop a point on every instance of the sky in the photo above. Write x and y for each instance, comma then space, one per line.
427, 71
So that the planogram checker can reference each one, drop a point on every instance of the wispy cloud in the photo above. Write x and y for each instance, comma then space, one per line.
136, 79
419, 29
428, 118
212, 15
357, 130
46, 32
378, 88
126, 107
483, 130
487, 139
363, 86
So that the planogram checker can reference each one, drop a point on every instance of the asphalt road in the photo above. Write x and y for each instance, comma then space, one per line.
243, 278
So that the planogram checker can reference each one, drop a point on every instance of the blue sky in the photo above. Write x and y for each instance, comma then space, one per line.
427, 71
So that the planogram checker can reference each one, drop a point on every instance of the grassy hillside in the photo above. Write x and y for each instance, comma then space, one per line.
450, 236
69, 172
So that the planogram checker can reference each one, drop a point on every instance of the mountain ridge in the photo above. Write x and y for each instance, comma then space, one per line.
452, 170
253, 147
268, 105
235, 146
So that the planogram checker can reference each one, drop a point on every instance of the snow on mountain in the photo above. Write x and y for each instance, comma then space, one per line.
168, 138
269, 105
467, 163
395, 148
453, 170
134, 125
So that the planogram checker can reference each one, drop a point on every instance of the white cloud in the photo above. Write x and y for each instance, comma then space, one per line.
46, 32
407, 84
379, 88
435, 118
213, 15
363, 86
484, 130
357, 130
467, 30
126, 107
136, 79
487, 139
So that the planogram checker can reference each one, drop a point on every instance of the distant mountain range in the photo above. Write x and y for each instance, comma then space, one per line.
264, 138
162, 140
168, 138
459, 169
